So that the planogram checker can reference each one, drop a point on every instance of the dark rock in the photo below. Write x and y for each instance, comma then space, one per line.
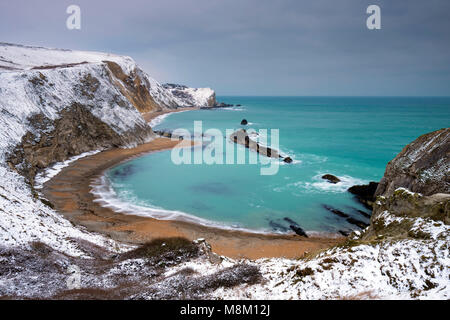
363, 213
295, 227
349, 219
244, 122
290, 221
331, 178
357, 222
277, 227
298, 231
217, 105
365, 193
241, 137
336, 211
344, 233
47, 203
287, 160
238, 105
223, 105
167, 134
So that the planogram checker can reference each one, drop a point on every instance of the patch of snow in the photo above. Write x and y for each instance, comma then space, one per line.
408, 192
56, 168
404, 269
25, 219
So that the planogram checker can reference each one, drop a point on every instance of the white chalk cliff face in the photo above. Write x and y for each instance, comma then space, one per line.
57, 105
189, 97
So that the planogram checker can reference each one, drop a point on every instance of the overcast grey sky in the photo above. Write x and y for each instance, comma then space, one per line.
256, 47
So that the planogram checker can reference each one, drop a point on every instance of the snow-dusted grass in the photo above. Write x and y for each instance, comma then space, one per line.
404, 269
25, 219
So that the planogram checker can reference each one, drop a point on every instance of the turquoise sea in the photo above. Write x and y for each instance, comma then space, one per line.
350, 137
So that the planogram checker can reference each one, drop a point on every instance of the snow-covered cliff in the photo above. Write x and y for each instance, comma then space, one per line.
56, 104
45, 93
15, 58
188, 97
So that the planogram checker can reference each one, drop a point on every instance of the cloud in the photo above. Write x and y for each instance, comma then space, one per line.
252, 47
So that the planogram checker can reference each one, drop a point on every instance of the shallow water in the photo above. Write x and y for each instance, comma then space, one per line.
352, 138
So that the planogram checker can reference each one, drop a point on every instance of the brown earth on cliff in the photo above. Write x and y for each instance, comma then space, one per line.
76, 131
135, 88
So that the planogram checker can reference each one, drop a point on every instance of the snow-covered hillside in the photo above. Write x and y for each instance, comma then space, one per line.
40, 88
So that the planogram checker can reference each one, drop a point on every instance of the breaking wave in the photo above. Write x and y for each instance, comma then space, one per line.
319, 185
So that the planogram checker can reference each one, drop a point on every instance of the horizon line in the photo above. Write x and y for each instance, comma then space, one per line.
334, 96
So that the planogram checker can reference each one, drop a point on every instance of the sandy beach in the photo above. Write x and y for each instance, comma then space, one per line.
69, 192
149, 116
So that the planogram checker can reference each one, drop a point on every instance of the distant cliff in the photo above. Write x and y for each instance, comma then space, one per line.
188, 97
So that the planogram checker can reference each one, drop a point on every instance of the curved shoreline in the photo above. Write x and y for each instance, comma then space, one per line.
99, 185
70, 192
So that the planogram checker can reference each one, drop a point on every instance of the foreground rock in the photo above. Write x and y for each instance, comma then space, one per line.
423, 166
365, 193
404, 214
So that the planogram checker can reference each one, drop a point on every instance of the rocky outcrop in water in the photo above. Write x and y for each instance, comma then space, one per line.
331, 178
365, 193
241, 137
295, 227
347, 217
